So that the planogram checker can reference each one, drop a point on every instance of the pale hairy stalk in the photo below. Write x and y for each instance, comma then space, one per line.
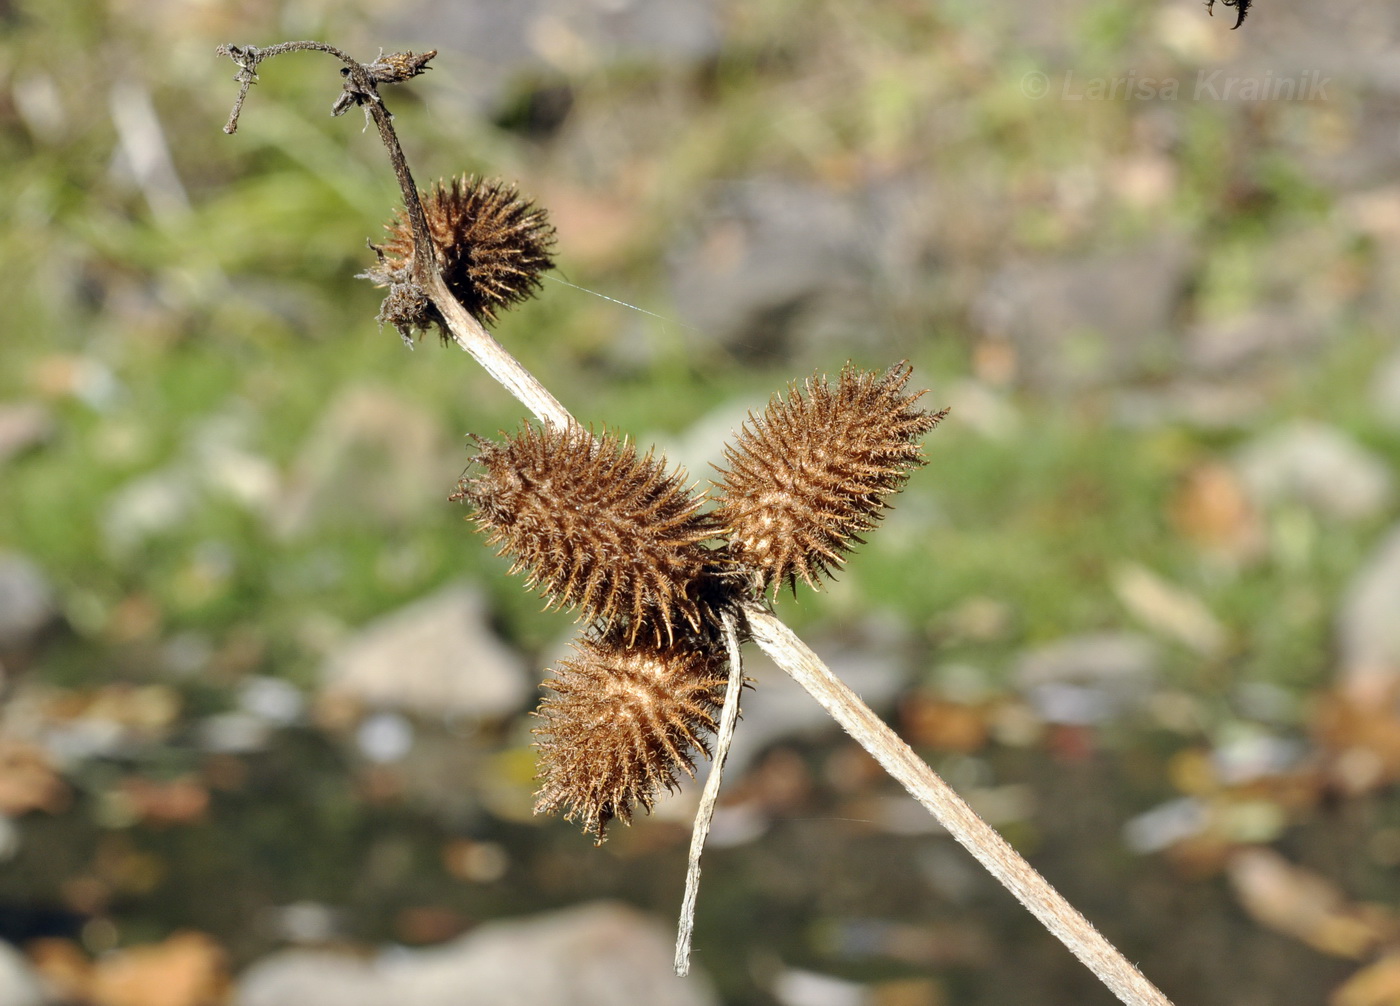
710, 796
979, 838
469, 334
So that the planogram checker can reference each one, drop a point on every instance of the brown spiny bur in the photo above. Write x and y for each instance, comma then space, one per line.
622, 723
399, 66
491, 244
811, 474
600, 529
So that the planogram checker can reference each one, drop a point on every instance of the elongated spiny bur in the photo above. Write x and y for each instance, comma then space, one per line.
492, 245
815, 471
601, 529
621, 724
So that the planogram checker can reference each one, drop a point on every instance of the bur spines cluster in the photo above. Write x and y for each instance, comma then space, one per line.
806, 479
491, 243
599, 528
621, 724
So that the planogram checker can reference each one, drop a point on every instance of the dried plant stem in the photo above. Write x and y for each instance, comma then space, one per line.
466, 331
974, 834
710, 796
776, 639
856, 718
469, 334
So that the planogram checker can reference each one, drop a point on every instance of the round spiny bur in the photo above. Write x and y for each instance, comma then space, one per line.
492, 244
600, 529
620, 724
806, 479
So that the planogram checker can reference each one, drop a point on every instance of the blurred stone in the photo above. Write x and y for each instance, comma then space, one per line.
385, 737
1209, 405
23, 425
272, 699
372, 456
772, 251
26, 601
1088, 679
234, 733
306, 922
19, 986
1385, 391
1368, 625
1280, 334
783, 269
217, 447
148, 505
1319, 467
792, 987
985, 409
593, 955
1246, 752
436, 657
1169, 610
1082, 321
1165, 825
504, 40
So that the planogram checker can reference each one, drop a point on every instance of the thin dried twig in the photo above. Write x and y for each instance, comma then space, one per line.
362, 87
710, 795
775, 638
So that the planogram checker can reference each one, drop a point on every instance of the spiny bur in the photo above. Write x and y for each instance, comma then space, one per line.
492, 245
601, 529
815, 471
621, 724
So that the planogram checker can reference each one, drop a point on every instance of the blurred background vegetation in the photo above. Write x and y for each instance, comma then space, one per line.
266, 695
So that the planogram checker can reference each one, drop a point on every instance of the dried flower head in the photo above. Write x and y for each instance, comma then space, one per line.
621, 724
814, 472
491, 243
600, 529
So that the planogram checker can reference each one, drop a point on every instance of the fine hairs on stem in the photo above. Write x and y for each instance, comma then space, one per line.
668, 591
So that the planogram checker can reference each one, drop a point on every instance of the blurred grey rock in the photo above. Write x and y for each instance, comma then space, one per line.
1385, 391
792, 987
1165, 825
503, 40
1089, 678
19, 986
371, 457
1279, 334
26, 601
147, 505
234, 733
1082, 321
1368, 621
783, 267
436, 657
1316, 466
593, 955
1198, 402
23, 425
